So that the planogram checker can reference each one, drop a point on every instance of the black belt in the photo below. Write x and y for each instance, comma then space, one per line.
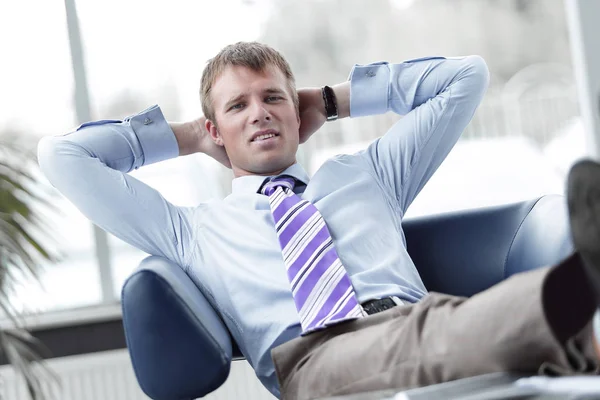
375, 306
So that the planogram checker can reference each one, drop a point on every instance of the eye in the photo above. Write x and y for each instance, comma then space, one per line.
274, 98
237, 106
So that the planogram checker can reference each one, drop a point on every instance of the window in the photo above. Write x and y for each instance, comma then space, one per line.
523, 138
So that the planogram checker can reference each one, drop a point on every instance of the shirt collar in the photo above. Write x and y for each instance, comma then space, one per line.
250, 184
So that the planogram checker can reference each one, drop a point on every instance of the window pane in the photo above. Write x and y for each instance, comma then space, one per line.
36, 100
73, 282
36, 78
520, 144
526, 132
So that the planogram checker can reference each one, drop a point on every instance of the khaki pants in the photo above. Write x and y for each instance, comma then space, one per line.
534, 322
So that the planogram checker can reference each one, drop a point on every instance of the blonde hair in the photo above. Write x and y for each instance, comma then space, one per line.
253, 55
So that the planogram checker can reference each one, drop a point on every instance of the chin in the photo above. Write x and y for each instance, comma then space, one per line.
271, 167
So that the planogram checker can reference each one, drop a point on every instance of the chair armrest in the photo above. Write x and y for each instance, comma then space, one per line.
465, 252
178, 345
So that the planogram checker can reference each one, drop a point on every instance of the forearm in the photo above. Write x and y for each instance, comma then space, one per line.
89, 167
437, 97
342, 97
381, 87
141, 139
188, 136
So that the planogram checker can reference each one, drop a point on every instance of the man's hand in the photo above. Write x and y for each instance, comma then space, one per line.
207, 145
192, 137
312, 108
312, 112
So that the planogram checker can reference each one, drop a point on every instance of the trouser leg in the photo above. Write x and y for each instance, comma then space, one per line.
514, 326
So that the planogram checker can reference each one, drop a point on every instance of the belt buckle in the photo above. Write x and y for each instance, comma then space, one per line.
378, 305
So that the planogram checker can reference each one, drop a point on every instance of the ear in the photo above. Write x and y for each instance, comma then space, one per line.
211, 127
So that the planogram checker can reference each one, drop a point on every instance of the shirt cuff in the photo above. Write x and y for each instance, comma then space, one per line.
369, 89
155, 135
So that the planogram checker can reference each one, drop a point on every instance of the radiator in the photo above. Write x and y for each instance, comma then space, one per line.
109, 376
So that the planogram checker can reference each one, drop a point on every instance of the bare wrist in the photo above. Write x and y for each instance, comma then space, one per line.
342, 97
188, 135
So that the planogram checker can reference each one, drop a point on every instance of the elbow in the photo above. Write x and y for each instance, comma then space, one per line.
478, 72
48, 157
481, 68
56, 157
46, 154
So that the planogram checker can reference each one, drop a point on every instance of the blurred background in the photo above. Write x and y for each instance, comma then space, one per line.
525, 135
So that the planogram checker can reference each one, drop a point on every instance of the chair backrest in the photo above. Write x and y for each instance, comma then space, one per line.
463, 253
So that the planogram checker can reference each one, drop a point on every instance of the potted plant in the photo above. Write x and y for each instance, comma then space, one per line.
21, 253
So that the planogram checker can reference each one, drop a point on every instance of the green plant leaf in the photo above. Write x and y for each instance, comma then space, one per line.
22, 203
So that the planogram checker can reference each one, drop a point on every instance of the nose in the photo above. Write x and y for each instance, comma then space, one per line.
260, 114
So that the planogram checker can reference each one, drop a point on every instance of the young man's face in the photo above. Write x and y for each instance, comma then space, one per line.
249, 105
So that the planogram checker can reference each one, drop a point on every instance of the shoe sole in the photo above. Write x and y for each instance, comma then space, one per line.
583, 198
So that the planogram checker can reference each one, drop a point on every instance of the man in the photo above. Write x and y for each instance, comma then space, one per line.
307, 272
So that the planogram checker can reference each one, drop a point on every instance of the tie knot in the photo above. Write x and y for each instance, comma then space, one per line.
283, 181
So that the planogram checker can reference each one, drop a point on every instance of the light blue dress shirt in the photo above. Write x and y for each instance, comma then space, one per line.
230, 248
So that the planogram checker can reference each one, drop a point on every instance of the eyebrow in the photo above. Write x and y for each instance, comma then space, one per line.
274, 91
240, 96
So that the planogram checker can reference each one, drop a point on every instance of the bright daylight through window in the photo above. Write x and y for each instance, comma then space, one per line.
523, 138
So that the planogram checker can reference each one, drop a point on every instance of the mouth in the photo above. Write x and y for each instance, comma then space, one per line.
267, 134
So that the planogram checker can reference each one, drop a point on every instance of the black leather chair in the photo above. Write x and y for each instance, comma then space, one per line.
180, 348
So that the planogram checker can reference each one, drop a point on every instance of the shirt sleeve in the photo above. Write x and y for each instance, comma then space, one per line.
437, 97
89, 167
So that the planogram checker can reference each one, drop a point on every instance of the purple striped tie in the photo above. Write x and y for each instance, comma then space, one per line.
321, 287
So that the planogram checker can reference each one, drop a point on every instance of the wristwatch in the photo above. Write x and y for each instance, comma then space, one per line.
330, 103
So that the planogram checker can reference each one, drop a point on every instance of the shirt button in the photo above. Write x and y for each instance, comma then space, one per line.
147, 121
371, 74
